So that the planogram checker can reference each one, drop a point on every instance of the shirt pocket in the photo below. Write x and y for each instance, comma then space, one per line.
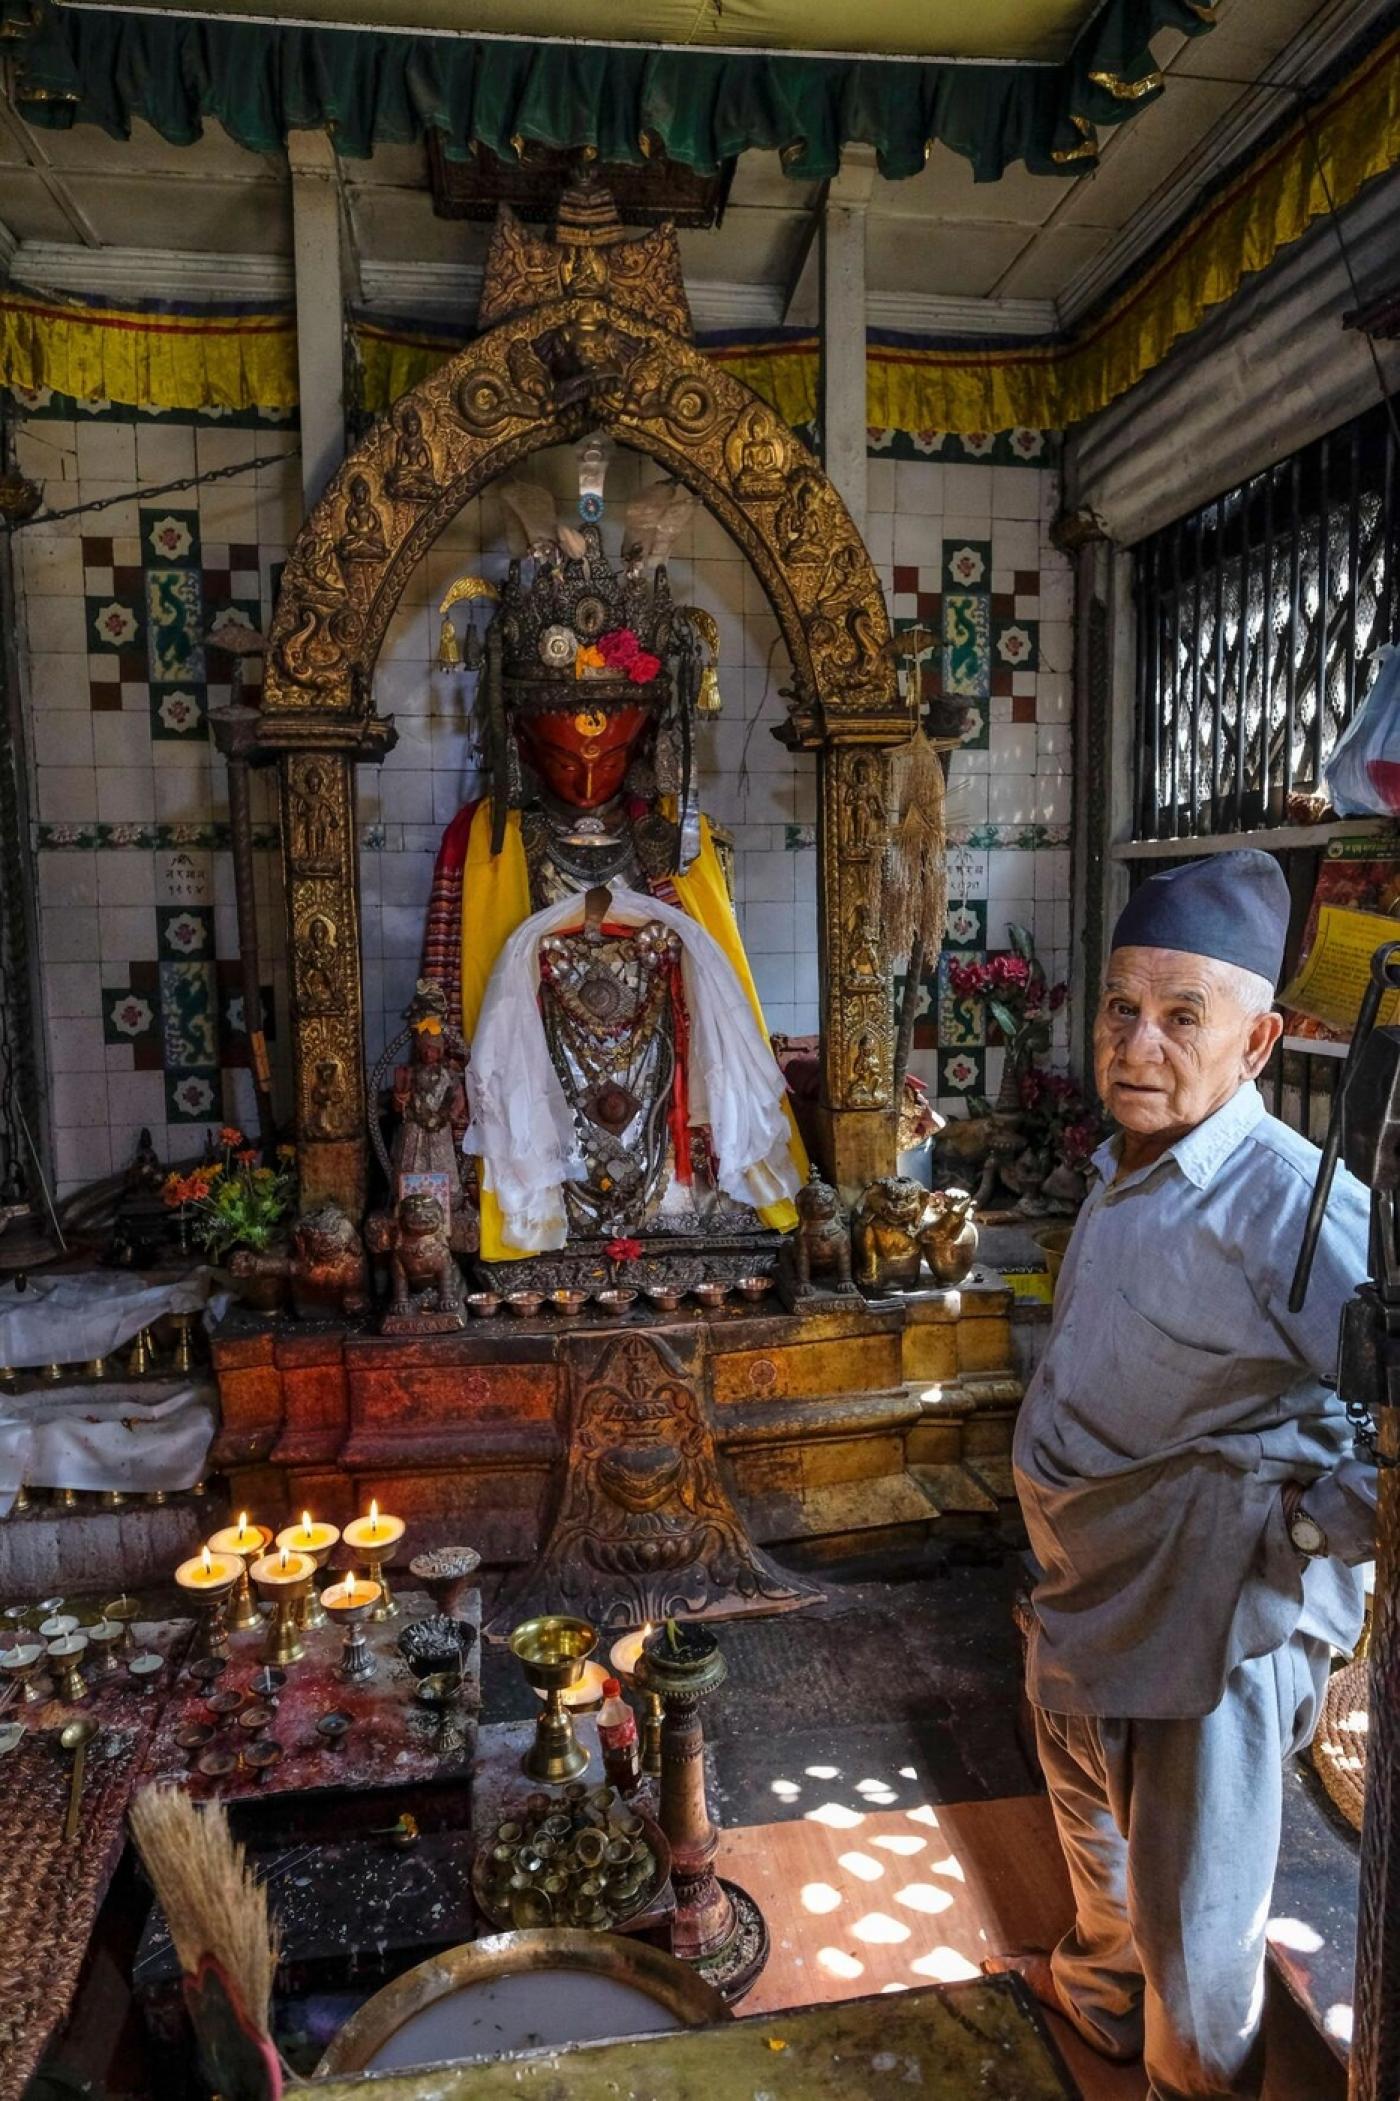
1171, 1392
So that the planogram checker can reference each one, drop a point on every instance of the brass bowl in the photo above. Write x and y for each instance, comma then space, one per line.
552, 1650
665, 1301
628, 1891
482, 1304
616, 1300
568, 1303
524, 1304
753, 1287
677, 1989
710, 1293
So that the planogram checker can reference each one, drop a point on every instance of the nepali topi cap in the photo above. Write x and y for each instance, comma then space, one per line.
1232, 906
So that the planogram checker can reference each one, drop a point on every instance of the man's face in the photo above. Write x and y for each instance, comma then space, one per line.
1172, 1042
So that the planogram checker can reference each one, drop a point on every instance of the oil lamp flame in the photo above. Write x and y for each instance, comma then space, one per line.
306, 1525
282, 1564
373, 1515
208, 1564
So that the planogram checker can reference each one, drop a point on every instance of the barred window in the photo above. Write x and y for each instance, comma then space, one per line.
1256, 615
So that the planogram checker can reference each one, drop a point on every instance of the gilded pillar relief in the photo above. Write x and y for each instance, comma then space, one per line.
857, 987
321, 874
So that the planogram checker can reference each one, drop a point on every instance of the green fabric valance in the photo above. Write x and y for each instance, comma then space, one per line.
260, 80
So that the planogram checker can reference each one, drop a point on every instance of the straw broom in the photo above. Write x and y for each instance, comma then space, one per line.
218, 1919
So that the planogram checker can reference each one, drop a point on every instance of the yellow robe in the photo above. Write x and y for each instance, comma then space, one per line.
496, 898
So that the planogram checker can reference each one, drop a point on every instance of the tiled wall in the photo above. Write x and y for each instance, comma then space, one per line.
142, 1004
142, 999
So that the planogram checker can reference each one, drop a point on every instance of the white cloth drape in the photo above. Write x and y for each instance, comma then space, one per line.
522, 1127
70, 1318
136, 1435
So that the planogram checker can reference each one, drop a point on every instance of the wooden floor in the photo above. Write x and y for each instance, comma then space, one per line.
886, 1899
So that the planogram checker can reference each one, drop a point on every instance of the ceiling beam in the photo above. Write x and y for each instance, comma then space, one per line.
37, 161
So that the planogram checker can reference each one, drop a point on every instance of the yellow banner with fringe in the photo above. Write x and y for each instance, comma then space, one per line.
173, 359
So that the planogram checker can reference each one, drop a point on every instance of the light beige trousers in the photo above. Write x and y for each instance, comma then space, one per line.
1170, 1832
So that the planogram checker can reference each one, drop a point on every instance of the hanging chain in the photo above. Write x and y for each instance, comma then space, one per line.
168, 488
1365, 1434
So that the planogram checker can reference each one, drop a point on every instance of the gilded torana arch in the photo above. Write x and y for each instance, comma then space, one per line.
590, 330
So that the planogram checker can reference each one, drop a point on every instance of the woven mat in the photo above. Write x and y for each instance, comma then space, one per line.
51, 1892
1339, 1747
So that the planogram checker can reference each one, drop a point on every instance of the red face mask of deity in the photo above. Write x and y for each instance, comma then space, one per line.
582, 754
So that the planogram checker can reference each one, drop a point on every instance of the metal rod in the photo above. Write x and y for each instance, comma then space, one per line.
1196, 683
1218, 639
1294, 591
1354, 573
39, 1171
1324, 589
1266, 659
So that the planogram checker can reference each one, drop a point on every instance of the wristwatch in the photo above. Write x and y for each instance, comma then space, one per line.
1307, 1534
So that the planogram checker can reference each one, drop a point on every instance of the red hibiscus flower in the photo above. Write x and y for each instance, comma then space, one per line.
618, 647
622, 1250
643, 668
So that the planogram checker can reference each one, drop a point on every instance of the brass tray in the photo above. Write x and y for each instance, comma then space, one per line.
492, 1910
675, 1987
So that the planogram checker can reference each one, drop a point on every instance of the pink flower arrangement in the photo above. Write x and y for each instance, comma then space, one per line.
621, 651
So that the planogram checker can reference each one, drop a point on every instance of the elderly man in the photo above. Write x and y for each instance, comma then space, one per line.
1190, 1492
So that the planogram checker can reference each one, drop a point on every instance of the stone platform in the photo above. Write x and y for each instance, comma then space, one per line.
844, 1421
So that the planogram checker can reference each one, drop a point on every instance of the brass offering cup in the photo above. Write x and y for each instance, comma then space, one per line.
552, 1652
103, 1637
21, 1665
284, 1588
349, 1610
66, 1660
323, 1538
124, 1610
243, 1614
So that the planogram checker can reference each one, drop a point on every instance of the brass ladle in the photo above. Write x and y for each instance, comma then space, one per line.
76, 1736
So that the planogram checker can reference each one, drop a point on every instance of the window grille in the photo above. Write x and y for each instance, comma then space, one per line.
1256, 615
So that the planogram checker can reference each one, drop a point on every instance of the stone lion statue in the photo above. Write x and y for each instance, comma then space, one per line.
325, 1265
822, 1244
426, 1296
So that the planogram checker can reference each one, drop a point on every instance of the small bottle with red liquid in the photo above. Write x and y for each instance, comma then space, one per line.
617, 1733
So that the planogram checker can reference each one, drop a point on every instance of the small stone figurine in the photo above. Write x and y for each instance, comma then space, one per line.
325, 1265
822, 1245
427, 1293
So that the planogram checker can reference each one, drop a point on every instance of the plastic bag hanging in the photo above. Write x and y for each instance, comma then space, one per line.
1362, 777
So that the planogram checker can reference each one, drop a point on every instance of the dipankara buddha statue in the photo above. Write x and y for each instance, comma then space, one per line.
621, 1079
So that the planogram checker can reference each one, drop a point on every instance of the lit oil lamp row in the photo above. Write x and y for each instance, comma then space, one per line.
240, 1557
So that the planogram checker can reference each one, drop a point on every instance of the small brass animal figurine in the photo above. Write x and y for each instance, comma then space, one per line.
427, 1291
822, 1247
325, 1266
898, 1225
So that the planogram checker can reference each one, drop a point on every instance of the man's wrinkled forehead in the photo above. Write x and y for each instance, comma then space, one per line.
1167, 973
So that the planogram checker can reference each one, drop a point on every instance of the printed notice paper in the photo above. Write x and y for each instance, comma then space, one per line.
1333, 977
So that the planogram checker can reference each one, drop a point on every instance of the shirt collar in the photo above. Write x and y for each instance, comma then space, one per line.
1202, 1152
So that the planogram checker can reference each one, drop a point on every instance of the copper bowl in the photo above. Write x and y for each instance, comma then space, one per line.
616, 1300
753, 1287
524, 1304
482, 1304
568, 1303
710, 1293
665, 1301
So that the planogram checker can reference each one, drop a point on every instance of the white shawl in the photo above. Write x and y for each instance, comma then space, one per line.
522, 1127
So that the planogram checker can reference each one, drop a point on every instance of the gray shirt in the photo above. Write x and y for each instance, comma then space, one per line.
1176, 1398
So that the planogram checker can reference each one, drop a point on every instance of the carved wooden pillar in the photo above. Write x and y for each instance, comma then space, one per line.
320, 867
857, 991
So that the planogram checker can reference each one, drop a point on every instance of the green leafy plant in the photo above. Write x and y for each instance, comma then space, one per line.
234, 1201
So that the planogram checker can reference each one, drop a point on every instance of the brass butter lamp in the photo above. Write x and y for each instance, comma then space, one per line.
249, 1543
552, 1652
283, 1579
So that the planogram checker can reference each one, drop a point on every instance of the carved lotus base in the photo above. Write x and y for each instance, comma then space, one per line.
643, 1528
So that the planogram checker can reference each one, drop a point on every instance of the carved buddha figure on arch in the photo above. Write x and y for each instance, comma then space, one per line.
582, 930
